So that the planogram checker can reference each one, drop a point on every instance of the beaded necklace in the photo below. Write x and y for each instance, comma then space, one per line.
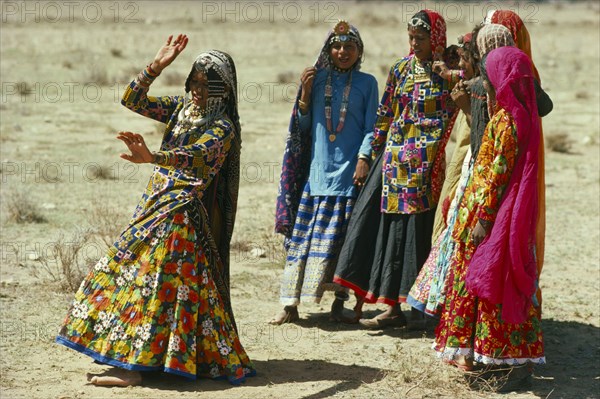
343, 108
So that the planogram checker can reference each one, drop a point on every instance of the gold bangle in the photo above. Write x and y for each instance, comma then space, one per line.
302, 104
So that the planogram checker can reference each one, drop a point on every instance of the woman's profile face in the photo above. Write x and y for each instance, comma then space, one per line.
420, 43
199, 89
466, 66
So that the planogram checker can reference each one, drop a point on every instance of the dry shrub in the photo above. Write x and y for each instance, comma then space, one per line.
582, 95
559, 142
384, 68
432, 379
117, 53
101, 172
67, 261
286, 77
371, 19
128, 74
496, 379
24, 89
106, 223
98, 76
20, 208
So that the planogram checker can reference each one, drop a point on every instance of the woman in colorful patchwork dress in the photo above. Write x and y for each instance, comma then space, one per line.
159, 300
490, 315
325, 163
390, 231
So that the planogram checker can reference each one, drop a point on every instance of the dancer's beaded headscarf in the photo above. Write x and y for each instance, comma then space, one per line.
222, 85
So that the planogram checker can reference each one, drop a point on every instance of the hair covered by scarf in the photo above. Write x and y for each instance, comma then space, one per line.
437, 34
221, 196
296, 157
503, 268
493, 36
519, 32
520, 35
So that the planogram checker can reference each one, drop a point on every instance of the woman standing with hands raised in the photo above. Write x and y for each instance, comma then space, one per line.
159, 299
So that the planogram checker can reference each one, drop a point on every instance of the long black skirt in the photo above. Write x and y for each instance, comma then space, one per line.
383, 252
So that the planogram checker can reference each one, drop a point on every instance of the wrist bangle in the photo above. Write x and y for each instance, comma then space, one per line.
302, 104
157, 158
151, 71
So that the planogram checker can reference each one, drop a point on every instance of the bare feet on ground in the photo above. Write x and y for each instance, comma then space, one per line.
337, 313
116, 377
289, 314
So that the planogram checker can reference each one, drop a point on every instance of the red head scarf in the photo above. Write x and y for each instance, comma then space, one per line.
517, 28
437, 33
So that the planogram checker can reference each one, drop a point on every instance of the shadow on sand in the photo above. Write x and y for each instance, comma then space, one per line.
279, 371
572, 371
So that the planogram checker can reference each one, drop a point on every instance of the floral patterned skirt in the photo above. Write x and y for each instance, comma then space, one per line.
158, 306
428, 294
473, 327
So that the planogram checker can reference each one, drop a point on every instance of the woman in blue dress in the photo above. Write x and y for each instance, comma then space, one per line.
325, 162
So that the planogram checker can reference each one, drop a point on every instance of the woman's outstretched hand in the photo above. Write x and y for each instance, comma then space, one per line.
168, 52
136, 144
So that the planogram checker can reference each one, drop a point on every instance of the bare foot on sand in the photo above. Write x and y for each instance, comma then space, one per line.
289, 314
116, 377
337, 313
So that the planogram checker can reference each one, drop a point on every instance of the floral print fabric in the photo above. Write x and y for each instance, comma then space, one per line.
471, 326
159, 299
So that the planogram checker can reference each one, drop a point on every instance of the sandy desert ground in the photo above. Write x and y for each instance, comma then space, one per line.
63, 68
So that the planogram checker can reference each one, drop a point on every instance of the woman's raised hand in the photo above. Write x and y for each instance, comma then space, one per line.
136, 144
307, 79
168, 52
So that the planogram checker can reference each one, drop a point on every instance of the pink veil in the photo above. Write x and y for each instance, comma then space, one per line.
503, 268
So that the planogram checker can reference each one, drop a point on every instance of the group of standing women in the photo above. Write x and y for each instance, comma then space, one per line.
462, 241
366, 203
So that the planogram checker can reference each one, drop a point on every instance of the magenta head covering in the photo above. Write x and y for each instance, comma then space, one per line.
503, 268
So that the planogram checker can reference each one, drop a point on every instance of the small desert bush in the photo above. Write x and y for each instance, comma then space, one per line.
101, 172
24, 89
559, 142
99, 76
287, 77
105, 222
20, 208
66, 261
117, 53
